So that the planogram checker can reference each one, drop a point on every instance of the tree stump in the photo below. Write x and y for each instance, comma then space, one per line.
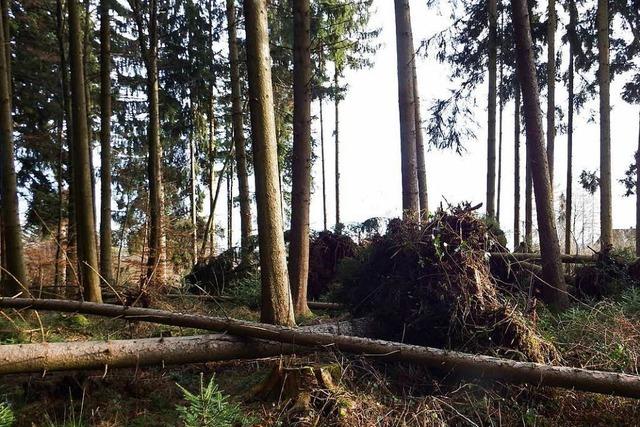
309, 393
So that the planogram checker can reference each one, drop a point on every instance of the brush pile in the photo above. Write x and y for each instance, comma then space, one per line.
213, 274
431, 285
326, 251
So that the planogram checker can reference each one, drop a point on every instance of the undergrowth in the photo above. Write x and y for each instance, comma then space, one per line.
6, 415
209, 407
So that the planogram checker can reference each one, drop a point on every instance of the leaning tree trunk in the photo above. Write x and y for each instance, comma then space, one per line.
605, 126
238, 133
16, 278
491, 108
406, 104
277, 306
555, 289
551, 85
422, 167
106, 264
516, 166
301, 184
86, 238
193, 203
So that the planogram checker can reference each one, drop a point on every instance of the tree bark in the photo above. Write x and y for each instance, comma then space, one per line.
301, 184
528, 203
156, 259
15, 279
324, 177
423, 193
106, 263
638, 193
193, 204
551, 85
238, 134
605, 126
336, 104
86, 237
407, 110
570, 113
491, 108
277, 305
555, 289
230, 206
31, 358
516, 167
500, 121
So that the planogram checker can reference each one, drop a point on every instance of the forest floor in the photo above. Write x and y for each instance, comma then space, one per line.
604, 335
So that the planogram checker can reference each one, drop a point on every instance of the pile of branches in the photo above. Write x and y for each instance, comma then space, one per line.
430, 284
326, 250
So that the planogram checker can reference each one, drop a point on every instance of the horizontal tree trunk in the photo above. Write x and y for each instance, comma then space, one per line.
472, 366
567, 259
65, 356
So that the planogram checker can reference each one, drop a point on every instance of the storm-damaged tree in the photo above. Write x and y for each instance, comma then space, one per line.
491, 108
86, 237
238, 132
406, 103
148, 44
301, 184
15, 278
277, 307
555, 288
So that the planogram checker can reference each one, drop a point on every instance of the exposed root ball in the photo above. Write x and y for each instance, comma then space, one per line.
431, 285
326, 250
608, 276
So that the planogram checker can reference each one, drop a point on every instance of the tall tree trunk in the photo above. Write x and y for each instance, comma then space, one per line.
193, 185
156, 260
638, 193
238, 134
500, 116
106, 263
58, 276
516, 167
86, 237
551, 84
423, 194
16, 278
324, 177
86, 45
407, 109
555, 288
336, 134
528, 204
301, 184
230, 206
277, 307
605, 126
491, 108
71, 258
569, 190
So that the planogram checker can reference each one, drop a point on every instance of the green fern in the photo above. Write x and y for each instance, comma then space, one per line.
209, 408
6, 415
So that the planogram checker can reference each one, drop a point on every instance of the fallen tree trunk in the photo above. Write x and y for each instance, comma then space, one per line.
314, 305
65, 356
473, 366
567, 259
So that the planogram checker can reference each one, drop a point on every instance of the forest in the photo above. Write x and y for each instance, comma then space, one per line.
177, 235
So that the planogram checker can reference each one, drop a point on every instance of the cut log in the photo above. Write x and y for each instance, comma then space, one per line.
473, 366
567, 259
65, 356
